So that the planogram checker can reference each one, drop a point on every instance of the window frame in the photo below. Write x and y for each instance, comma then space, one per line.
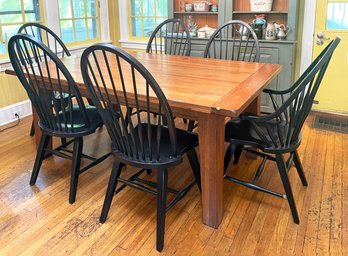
85, 18
50, 19
41, 21
127, 40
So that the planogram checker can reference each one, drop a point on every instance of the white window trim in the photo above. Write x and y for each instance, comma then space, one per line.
52, 21
125, 41
308, 34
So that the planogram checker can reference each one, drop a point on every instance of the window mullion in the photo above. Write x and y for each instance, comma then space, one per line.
86, 20
73, 19
23, 15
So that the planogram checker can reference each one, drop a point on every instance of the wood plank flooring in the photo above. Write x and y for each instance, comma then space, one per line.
38, 220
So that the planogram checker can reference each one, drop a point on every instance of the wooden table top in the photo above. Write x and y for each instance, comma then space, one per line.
198, 84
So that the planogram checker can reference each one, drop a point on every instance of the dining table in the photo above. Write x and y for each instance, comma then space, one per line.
209, 91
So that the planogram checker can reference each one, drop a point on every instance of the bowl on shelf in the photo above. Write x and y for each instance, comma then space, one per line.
201, 6
261, 5
188, 7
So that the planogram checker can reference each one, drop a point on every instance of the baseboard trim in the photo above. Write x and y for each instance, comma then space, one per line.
22, 108
330, 114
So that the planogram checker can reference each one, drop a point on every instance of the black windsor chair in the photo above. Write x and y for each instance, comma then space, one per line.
31, 59
115, 78
170, 37
280, 132
52, 41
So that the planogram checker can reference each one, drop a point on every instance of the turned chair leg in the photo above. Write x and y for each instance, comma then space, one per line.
287, 187
32, 129
162, 183
299, 169
75, 169
40, 155
115, 174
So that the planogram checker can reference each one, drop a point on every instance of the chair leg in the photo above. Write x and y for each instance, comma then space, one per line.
162, 183
299, 169
32, 129
237, 153
40, 155
115, 174
193, 159
75, 169
191, 125
228, 156
287, 187
63, 140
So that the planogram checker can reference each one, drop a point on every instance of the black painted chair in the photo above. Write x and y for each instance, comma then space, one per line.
170, 37
234, 40
279, 133
51, 40
66, 119
140, 140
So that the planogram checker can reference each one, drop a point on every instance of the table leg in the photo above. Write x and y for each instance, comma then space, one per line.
254, 107
37, 129
211, 132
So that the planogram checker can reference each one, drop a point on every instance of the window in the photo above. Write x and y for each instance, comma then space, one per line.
13, 14
79, 20
145, 15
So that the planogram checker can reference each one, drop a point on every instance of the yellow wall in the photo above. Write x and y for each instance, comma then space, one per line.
11, 91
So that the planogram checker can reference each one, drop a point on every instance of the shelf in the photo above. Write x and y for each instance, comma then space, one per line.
250, 12
211, 13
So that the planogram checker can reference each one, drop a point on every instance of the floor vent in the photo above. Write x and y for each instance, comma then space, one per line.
337, 124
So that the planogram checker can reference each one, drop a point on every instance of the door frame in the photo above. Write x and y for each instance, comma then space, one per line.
308, 34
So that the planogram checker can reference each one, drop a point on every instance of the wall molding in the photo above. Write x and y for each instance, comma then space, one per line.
308, 34
23, 108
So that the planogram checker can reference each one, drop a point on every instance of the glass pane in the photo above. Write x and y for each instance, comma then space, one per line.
337, 16
149, 7
93, 28
137, 27
159, 21
91, 6
135, 7
65, 9
10, 11
79, 8
80, 29
6, 33
162, 8
32, 10
67, 31
149, 26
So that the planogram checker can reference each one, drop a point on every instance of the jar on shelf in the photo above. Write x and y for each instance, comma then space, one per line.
270, 33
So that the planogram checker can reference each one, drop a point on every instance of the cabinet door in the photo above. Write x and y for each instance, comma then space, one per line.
269, 55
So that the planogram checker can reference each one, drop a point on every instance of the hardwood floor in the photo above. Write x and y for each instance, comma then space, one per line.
39, 220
